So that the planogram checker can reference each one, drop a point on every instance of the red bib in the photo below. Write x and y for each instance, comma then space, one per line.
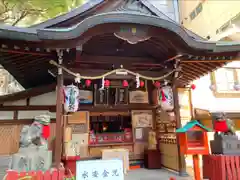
220, 126
45, 131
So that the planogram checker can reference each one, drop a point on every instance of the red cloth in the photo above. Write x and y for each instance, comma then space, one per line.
45, 131
221, 126
163, 96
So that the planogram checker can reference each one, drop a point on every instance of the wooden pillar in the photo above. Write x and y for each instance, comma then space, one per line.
197, 174
181, 159
59, 113
191, 105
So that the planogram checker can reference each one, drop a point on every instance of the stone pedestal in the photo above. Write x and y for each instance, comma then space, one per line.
225, 144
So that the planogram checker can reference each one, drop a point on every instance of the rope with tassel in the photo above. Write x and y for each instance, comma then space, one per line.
78, 76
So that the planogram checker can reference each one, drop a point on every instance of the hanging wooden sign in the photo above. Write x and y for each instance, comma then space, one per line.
85, 97
78, 117
138, 97
122, 95
101, 96
142, 118
184, 102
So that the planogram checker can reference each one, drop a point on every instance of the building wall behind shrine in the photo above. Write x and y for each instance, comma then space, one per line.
208, 17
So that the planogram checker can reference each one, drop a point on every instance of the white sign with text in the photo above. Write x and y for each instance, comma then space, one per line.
100, 170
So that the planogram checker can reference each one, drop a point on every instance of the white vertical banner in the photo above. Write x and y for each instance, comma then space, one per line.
100, 170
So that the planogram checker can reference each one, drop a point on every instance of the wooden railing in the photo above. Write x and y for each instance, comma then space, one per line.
221, 167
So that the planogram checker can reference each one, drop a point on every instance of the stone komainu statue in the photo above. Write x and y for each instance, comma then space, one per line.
224, 125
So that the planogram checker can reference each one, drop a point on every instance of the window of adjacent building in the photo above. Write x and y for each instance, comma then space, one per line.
193, 15
196, 11
199, 8
224, 81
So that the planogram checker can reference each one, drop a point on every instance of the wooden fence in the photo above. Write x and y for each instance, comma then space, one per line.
10, 135
39, 175
221, 167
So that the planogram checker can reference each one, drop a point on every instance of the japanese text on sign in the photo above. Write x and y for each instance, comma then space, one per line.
100, 170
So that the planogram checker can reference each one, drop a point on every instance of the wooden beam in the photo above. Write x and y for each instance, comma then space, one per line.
208, 61
28, 101
25, 52
20, 121
174, 57
191, 68
123, 60
59, 117
112, 59
51, 108
126, 65
15, 115
108, 66
89, 108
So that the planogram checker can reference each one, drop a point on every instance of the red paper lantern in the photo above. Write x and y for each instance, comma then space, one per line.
141, 83
88, 82
157, 84
106, 83
125, 83
193, 86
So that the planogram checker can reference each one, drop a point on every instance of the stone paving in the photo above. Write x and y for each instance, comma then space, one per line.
144, 174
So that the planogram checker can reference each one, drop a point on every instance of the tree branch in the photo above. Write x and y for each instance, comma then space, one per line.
22, 16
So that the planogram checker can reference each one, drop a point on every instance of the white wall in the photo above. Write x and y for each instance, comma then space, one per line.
202, 97
44, 99
6, 115
32, 114
22, 102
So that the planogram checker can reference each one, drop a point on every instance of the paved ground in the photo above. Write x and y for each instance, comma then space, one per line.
144, 174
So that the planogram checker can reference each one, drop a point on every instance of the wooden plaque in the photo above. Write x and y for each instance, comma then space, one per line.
143, 118
80, 117
122, 95
138, 97
101, 96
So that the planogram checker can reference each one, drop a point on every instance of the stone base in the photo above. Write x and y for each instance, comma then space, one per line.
225, 144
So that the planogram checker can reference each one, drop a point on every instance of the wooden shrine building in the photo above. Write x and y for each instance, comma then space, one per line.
101, 36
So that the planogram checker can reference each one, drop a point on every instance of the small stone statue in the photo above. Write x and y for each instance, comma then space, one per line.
223, 125
37, 133
152, 142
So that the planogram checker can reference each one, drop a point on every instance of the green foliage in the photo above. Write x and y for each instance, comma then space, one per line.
29, 12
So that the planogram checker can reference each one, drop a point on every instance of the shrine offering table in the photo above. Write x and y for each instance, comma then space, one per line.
122, 154
152, 159
95, 150
221, 167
